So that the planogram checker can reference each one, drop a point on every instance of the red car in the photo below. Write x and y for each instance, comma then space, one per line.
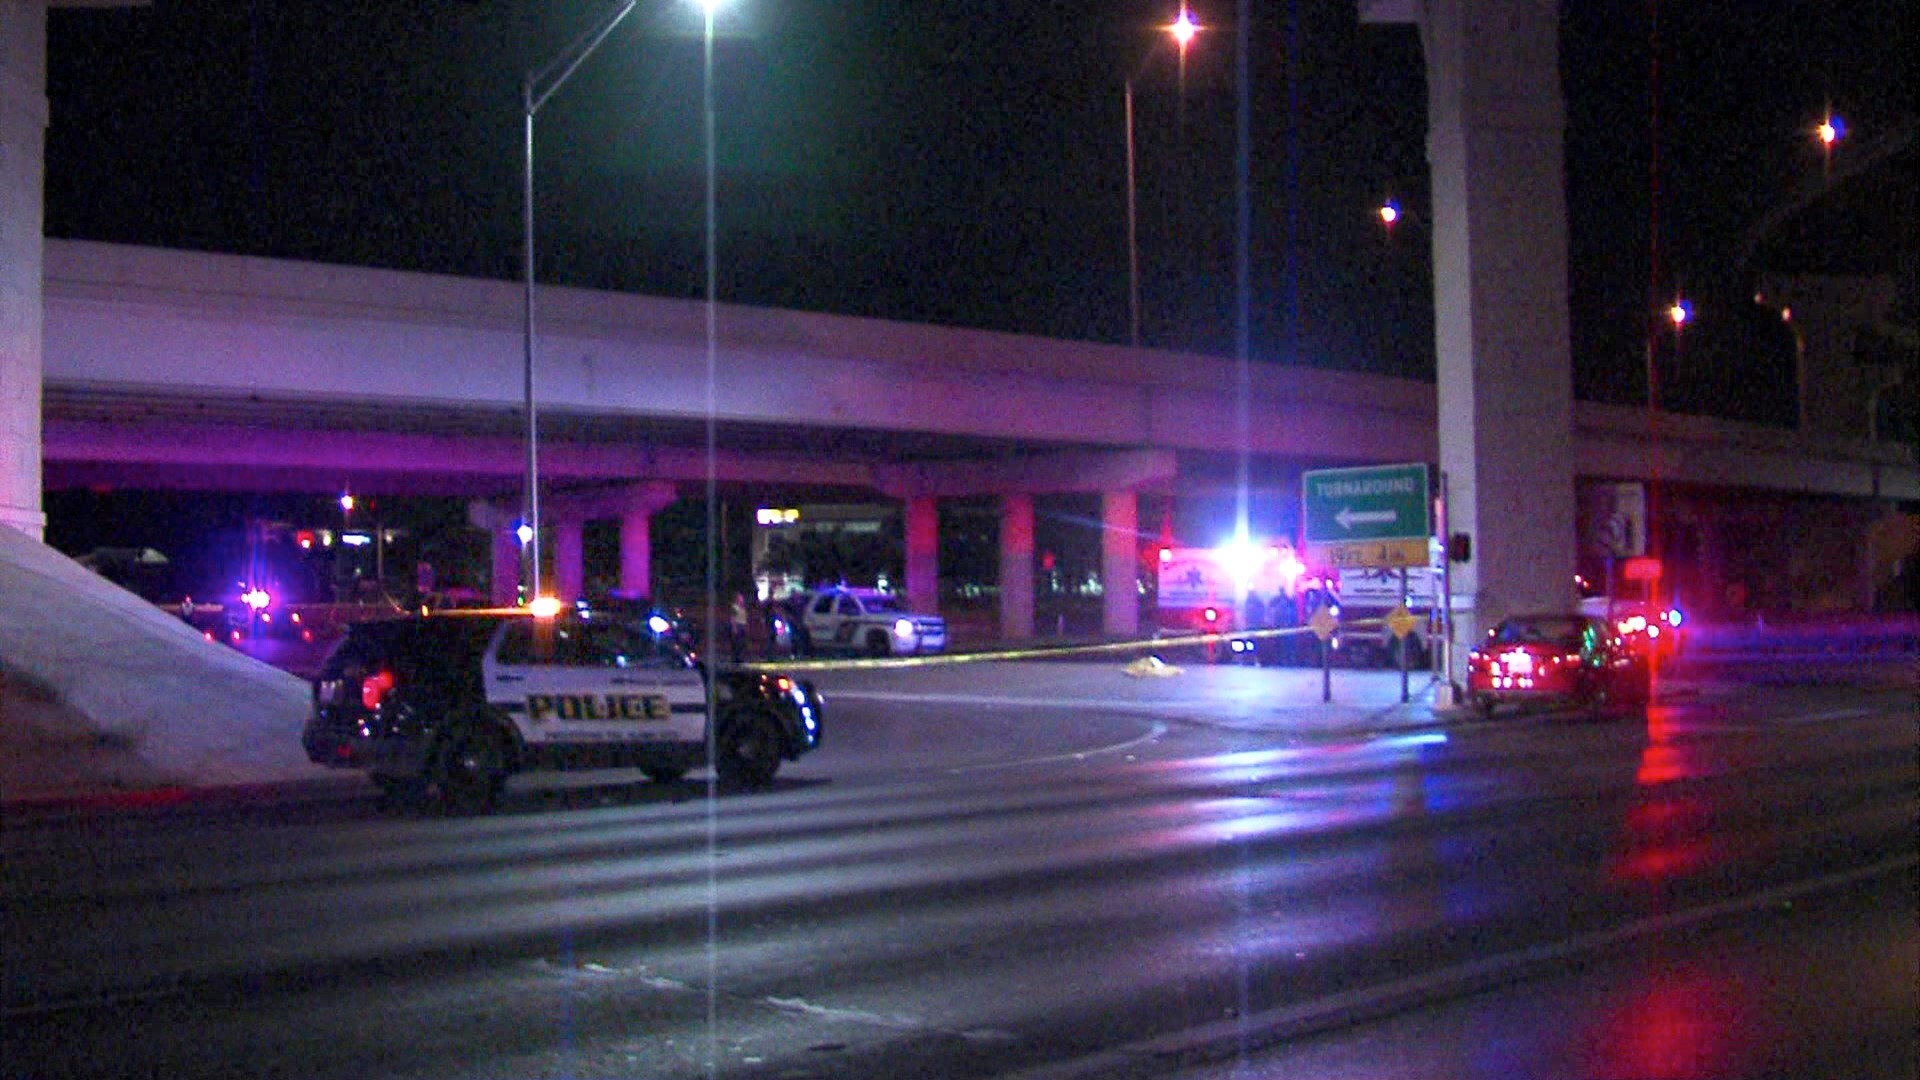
1557, 659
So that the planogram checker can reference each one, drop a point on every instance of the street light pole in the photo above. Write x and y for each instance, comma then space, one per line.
1182, 30
539, 86
1133, 236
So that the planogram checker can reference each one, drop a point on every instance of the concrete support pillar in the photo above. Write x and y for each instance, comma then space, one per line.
23, 124
1505, 383
506, 566
569, 560
1120, 562
923, 553
636, 553
1016, 566
637, 505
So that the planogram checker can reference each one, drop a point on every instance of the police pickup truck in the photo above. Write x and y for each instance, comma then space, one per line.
452, 704
869, 622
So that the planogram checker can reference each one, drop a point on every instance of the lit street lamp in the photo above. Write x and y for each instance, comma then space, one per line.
1182, 30
1830, 130
1679, 312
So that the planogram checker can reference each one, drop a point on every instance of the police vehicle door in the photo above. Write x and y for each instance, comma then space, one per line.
843, 620
570, 680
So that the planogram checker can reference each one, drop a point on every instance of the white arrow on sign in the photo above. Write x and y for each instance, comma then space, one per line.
1349, 517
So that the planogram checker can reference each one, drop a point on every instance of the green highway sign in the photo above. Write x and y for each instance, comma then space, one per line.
1371, 516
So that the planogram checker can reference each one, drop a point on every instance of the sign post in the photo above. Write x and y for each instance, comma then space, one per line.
1324, 624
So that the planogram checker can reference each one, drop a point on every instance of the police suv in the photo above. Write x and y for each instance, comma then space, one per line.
454, 703
869, 621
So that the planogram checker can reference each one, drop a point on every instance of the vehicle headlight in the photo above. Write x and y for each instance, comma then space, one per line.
903, 628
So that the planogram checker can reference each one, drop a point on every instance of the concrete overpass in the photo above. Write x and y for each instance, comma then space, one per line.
171, 369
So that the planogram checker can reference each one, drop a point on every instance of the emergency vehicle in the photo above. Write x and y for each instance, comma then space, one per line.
1634, 608
453, 704
871, 623
1206, 590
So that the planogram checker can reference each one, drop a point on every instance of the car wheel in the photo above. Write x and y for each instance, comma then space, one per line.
473, 771
877, 646
1484, 705
748, 753
664, 774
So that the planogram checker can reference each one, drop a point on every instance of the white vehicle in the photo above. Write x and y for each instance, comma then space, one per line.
870, 622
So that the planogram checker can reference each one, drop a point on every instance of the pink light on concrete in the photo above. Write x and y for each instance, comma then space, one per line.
923, 553
1016, 566
636, 553
569, 560
1119, 561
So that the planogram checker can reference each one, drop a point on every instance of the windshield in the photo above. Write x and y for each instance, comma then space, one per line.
1542, 629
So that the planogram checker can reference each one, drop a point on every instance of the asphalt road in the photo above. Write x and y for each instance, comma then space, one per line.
1044, 870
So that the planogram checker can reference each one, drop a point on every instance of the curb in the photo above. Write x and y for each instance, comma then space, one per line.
172, 796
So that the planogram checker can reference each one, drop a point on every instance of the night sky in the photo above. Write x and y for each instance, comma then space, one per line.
963, 163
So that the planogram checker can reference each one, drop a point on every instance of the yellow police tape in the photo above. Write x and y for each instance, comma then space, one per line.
1048, 652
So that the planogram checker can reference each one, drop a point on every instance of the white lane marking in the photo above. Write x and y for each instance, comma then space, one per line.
1158, 729
1334, 1010
1091, 705
853, 1016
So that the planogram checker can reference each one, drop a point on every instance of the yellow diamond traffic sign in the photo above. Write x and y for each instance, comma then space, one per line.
1322, 623
1401, 621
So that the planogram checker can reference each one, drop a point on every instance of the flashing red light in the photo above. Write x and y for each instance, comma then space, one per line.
305, 539
1211, 615
1641, 568
374, 688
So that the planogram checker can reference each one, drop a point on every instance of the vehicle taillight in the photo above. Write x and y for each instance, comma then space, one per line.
1517, 662
374, 688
